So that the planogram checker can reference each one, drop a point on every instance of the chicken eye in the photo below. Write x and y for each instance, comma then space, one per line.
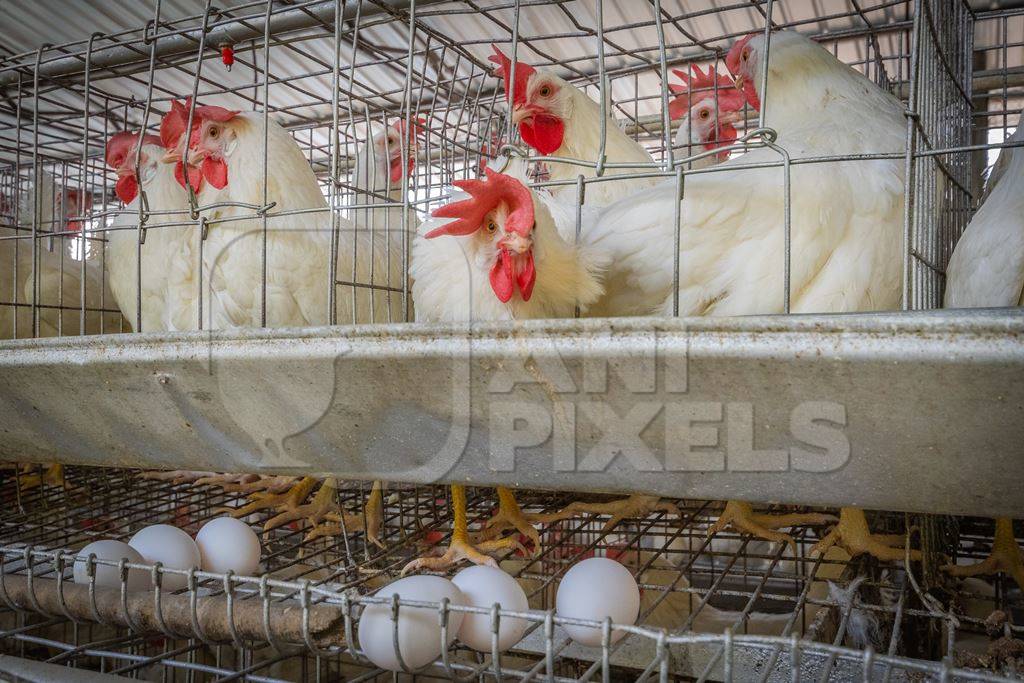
213, 132
491, 227
705, 113
545, 91
746, 53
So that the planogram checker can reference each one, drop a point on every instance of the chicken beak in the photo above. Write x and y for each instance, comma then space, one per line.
521, 113
730, 117
516, 243
172, 156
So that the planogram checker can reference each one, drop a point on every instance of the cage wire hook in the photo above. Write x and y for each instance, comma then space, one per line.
122, 567
29, 556
90, 572
306, 635
3, 582
229, 594
60, 563
193, 597
156, 578
267, 631
394, 634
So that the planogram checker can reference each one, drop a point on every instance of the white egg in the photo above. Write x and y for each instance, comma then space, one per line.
226, 544
106, 575
483, 586
170, 546
419, 629
597, 588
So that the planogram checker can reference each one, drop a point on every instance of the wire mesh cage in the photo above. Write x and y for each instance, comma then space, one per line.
713, 608
335, 74
359, 117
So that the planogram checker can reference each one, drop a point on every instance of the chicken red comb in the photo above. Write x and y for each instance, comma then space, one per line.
732, 60
484, 196
523, 73
416, 128
701, 86
174, 122
172, 125
118, 147
214, 113
122, 144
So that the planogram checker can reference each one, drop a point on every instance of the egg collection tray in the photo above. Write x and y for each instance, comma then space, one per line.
721, 608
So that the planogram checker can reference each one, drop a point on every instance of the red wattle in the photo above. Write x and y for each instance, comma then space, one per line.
527, 277
396, 169
126, 188
216, 171
750, 92
502, 279
543, 132
195, 176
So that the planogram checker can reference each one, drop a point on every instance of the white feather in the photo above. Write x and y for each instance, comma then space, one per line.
987, 266
164, 254
582, 140
298, 246
450, 274
847, 216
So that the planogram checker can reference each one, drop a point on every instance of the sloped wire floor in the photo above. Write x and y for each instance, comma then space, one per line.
690, 585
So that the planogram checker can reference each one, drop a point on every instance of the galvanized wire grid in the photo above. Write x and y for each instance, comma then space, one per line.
726, 608
328, 69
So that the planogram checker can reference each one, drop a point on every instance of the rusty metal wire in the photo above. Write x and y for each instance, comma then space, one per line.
711, 608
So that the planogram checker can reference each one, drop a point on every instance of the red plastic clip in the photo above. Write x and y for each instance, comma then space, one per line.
227, 55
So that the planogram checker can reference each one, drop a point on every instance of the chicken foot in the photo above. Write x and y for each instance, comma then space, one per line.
460, 547
636, 506
852, 535
289, 499
339, 522
325, 501
1005, 557
510, 516
199, 477
53, 475
740, 516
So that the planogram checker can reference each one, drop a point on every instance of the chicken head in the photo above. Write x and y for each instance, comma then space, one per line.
540, 103
211, 142
499, 215
120, 156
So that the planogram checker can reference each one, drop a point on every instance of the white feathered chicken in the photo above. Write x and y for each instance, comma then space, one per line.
987, 266
502, 258
377, 177
557, 119
706, 107
847, 217
987, 270
225, 163
165, 253
61, 261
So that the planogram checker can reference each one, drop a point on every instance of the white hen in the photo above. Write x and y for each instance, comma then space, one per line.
164, 253
987, 266
502, 258
226, 162
61, 261
987, 270
847, 216
480, 268
846, 228
558, 119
